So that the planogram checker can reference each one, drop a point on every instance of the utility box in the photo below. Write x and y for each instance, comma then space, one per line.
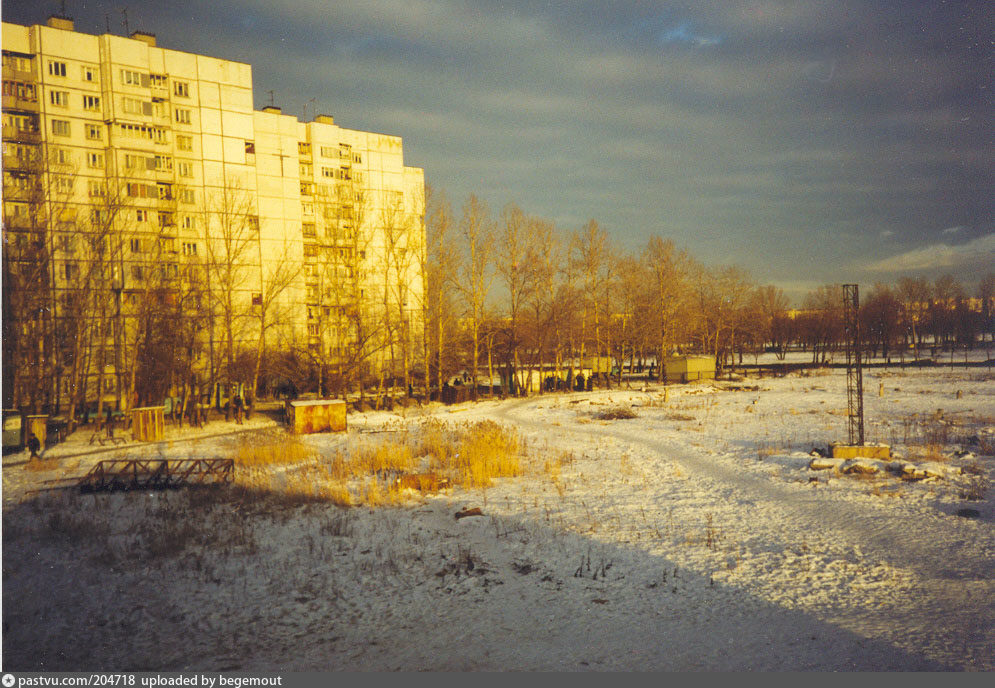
866, 451
320, 415
147, 423
688, 368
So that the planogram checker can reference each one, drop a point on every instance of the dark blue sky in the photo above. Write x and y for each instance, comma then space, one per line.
808, 142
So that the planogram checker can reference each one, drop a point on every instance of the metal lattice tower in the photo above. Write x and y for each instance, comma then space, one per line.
854, 365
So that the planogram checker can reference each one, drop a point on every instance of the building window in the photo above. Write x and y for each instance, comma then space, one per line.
166, 220
182, 115
59, 98
136, 272
303, 148
167, 245
62, 156
184, 142
307, 170
189, 222
329, 152
257, 299
132, 78
307, 189
71, 270
185, 169
307, 229
20, 90
56, 68
60, 127
189, 248
95, 160
250, 147
142, 215
164, 163
90, 74
165, 192
91, 103
181, 88
94, 132
63, 184
187, 196
97, 189
67, 243
136, 245
135, 106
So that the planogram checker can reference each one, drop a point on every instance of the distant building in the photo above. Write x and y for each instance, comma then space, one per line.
136, 174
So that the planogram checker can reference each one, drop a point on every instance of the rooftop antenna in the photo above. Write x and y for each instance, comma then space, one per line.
124, 22
107, 21
305, 108
62, 5
270, 98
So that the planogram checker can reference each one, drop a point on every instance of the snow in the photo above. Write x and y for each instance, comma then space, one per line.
691, 537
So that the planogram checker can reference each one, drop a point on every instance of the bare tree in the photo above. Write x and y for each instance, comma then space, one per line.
515, 271
591, 255
279, 276
232, 235
477, 232
440, 266
667, 302
915, 294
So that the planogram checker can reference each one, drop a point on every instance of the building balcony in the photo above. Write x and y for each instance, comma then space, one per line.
21, 135
22, 104
11, 74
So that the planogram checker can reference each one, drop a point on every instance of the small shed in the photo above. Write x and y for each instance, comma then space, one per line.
147, 423
689, 368
37, 426
319, 415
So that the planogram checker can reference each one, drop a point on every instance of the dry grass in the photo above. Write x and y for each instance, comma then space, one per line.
271, 451
485, 450
387, 470
616, 413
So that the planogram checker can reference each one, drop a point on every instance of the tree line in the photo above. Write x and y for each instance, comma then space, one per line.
515, 293
103, 300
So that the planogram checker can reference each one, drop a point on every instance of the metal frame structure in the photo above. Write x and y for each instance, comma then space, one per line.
153, 474
854, 364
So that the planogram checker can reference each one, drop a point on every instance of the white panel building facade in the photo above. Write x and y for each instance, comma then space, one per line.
158, 228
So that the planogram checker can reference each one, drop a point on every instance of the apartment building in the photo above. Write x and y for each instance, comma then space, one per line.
157, 227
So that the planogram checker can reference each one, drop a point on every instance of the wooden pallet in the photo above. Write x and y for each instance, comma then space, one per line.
156, 474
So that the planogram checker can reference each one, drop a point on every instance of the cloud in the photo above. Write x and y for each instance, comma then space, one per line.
975, 253
952, 230
683, 33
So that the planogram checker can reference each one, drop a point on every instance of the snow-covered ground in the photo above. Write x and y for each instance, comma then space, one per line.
692, 536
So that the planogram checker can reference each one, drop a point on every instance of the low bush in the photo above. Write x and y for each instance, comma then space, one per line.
616, 413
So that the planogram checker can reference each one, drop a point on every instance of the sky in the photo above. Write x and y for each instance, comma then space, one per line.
809, 142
